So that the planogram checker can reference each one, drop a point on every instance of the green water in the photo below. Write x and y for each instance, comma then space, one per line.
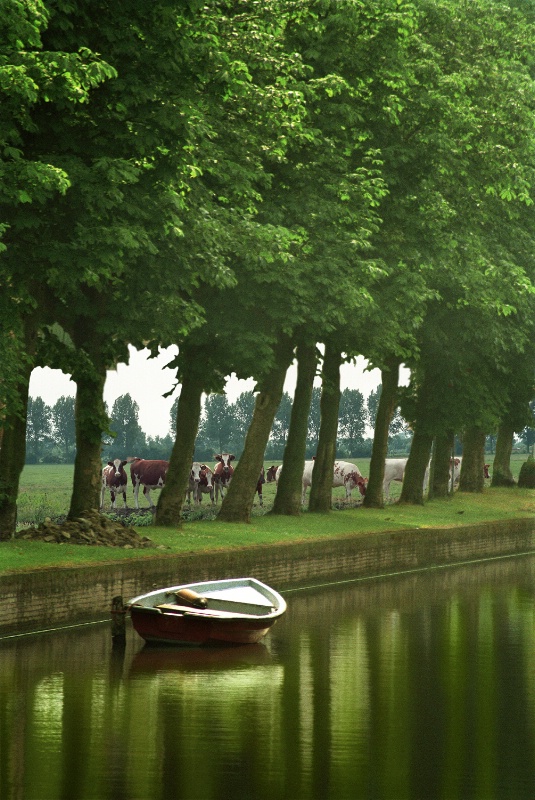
419, 687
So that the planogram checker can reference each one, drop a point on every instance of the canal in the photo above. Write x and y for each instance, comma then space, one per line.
416, 687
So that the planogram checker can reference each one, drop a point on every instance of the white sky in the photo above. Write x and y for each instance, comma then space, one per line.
146, 381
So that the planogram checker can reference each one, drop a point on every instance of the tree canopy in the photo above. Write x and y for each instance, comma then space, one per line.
241, 179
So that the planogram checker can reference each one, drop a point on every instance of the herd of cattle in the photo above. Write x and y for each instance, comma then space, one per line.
151, 475
214, 482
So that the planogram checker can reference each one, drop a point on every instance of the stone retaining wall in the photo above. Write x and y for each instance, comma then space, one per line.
54, 597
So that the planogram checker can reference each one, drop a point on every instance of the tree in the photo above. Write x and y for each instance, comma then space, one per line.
381, 404
163, 165
158, 447
330, 186
527, 435
253, 118
451, 185
242, 411
217, 423
372, 404
38, 432
314, 421
290, 485
63, 424
129, 439
517, 412
33, 77
238, 501
322, 473
281, 426
351, 420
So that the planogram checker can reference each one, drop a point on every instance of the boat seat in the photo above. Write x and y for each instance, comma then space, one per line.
174, 608
241, 606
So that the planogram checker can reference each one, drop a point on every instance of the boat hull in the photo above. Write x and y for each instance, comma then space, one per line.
231, 611
174, 629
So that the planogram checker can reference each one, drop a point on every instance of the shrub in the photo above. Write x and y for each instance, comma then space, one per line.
526, 479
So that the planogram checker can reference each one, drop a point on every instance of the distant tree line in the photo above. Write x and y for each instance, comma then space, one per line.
51, 435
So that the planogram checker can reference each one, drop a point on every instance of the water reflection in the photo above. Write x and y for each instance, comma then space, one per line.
418, 687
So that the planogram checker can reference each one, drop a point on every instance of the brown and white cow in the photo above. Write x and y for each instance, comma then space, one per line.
206, 484
200, 482
271, 473
261, 481
223, 472
344, 474
149, 474
114, 479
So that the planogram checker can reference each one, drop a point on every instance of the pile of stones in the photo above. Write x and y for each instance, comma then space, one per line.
91, 529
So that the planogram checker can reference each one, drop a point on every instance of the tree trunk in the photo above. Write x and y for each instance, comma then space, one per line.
385, 410
238, 501
90, 413
439, 485
412, 490
13, 436
472, 470
290, 484
322, 474
171, 501
501, 468
11, 465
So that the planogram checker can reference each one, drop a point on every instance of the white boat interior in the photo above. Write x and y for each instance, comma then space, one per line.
232, 597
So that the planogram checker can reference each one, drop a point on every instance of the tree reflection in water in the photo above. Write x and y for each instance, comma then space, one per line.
419, 686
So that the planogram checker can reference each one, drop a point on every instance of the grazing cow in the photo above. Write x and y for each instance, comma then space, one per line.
200, 482
395, 471
271, 473
149, 474
344, 474
261, 481
223, 472
115, 479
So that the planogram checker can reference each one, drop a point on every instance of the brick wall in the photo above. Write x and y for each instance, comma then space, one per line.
53, 597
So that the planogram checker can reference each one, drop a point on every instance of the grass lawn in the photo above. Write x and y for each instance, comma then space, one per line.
48, 487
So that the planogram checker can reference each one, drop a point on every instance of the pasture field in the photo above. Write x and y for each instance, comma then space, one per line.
45, 491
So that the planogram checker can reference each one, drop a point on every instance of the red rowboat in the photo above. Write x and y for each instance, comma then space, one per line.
231, 611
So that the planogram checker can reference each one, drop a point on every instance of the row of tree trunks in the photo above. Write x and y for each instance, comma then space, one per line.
387, 405
237, 505
322, 475
289, 489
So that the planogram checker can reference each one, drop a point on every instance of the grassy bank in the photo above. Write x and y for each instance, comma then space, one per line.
462, 509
